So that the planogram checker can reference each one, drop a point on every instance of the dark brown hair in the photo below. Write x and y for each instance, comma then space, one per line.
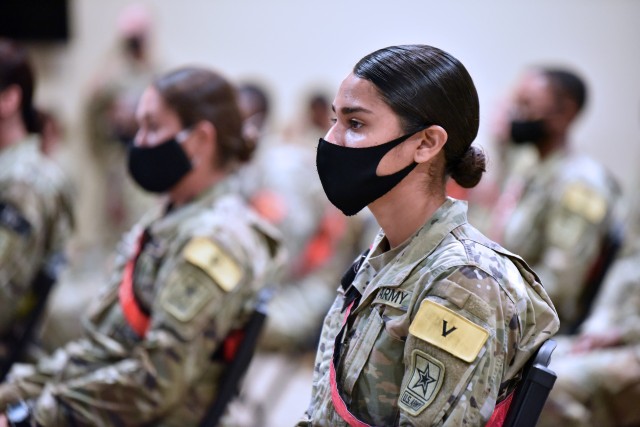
16, 69
424, 86
567, 83
197, 94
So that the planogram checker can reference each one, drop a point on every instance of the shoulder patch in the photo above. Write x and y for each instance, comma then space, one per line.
218, 265
446, 329
427, 376
187, 290
585, 202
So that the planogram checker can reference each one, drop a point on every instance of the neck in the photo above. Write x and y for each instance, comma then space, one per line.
551, 145
404, 210
192, 186
12, 131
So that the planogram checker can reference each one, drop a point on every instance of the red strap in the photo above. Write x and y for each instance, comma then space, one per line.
231, 344
135, 317
324, 242
338, 403
500, 412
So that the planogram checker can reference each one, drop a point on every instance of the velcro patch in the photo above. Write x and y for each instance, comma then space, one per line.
427, 376
446, 329
12, 218
585, 202
208, 256
394, 297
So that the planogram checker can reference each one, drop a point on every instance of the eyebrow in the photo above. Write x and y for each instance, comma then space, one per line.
351, 110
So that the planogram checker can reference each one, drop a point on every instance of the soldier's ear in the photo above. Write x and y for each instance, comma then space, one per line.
205, 141
432, 139
10, 100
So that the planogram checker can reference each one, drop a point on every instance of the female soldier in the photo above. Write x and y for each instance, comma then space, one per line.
35, 204
438, 321
184, 278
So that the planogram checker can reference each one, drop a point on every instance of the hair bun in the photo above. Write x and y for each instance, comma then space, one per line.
468, 171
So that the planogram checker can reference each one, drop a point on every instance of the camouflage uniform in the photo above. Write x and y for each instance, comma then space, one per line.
283, 185
35, 221
602, 387
444, 324
558, 222
197, 275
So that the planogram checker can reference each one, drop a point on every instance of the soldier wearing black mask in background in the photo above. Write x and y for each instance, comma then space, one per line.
555, 210
115, 203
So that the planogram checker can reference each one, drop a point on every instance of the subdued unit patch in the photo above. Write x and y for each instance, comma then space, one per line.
427, 376
186, 292
446, 329
218, 265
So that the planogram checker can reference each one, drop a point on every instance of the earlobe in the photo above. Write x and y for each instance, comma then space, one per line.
432, 141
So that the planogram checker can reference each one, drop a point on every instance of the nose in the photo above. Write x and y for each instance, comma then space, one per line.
140, 139
332, 135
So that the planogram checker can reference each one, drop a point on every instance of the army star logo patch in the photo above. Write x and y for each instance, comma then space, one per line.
427, 375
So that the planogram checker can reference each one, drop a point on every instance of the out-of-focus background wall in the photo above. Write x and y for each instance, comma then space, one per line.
293, 46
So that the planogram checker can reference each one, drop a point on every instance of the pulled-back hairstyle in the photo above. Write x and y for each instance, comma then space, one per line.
197, 94
424, 85
16, 69
568, 84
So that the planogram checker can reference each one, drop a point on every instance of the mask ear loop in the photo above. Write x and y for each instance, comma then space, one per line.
181, 137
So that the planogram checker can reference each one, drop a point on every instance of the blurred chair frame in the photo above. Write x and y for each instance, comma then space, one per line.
232, 377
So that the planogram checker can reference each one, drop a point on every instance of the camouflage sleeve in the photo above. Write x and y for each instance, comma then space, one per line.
617, 307
23, 230
296, 312
203, 290
331, 327
573, 231
456, 351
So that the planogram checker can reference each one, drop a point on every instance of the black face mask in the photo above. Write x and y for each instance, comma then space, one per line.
348, 175
528, 131
159, 168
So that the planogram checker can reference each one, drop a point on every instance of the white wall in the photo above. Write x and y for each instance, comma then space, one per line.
291, 44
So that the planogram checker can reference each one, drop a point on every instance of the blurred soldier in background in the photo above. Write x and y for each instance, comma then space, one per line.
116, 203
109, 201
557, 213
35, 204
313, 123
184, 277
282, 184
599, 370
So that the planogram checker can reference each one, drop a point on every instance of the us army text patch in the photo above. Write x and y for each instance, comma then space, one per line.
393, 297
427, 375
448, 330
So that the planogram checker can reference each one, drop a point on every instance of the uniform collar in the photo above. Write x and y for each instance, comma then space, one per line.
166, 219
30, 143
398, 263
